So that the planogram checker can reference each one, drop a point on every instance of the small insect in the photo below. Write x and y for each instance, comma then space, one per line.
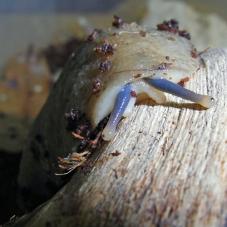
138, 67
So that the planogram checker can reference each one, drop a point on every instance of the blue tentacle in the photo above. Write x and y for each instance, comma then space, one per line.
165, 85
121, 103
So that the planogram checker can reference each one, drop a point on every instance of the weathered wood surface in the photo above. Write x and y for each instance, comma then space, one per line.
171, 170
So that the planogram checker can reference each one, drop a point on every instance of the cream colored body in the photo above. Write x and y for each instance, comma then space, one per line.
138, 56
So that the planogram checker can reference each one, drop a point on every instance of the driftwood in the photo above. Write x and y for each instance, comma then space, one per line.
167, 166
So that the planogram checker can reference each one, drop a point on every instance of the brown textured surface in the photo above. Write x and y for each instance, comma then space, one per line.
171, 170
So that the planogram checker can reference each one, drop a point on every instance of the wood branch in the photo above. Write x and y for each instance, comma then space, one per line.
167, 166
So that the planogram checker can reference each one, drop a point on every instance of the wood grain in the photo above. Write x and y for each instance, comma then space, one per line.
171, 170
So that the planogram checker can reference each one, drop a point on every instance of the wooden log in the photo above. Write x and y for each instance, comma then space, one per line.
167, 166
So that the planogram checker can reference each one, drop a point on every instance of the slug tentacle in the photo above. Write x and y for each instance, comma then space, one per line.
121, 103
175, 89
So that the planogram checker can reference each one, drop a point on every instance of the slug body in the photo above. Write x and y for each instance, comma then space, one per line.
134, 63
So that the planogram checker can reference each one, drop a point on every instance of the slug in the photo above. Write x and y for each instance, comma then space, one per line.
134, 63
124, 65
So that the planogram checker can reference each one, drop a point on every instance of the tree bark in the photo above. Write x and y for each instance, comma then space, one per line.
167, 166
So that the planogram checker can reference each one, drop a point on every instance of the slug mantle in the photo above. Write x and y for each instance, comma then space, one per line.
133, 62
